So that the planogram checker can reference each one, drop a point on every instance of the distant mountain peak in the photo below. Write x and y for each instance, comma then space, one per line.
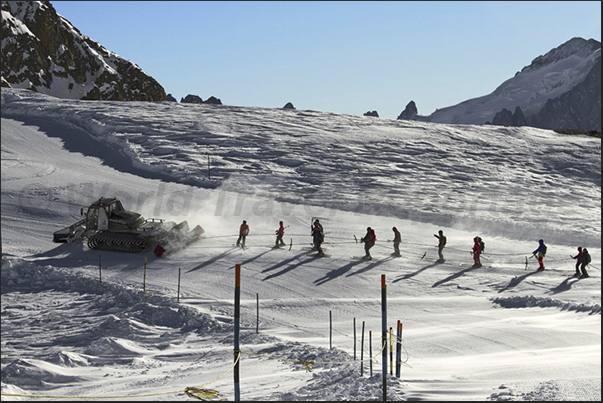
578, 47
44, 52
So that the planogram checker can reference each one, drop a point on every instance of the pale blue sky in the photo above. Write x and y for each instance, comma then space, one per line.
342, 57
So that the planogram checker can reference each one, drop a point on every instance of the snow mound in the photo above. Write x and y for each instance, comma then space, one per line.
530, 301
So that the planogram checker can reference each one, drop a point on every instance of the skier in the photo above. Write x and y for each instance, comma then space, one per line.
279, 235
369, 241
477, 250
541, 250
397, 240
584, 263
441, 245
317, 223
578, 258
243, 232
318, 237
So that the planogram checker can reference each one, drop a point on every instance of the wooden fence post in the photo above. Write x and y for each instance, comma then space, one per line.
371, 353
330, 330
354, 339
362, 351
178, 296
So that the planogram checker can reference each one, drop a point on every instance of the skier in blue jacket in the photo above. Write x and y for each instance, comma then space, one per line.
541, 251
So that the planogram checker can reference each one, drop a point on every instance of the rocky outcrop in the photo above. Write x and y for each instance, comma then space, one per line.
410, 112
506, 118
170, 98
288, 105
579, 108
191, 99
195, 99
43, 52
371, 113
213, 101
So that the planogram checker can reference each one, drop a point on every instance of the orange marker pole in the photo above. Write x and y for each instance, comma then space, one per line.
237, 314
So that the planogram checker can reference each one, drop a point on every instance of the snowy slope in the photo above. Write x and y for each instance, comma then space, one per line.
503, 332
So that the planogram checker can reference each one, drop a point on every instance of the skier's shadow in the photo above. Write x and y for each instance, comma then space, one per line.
409, 275
370, 266
333, 274
284, 262
516, 280
288, 268
255, 257
565, 285
452, 277
212, 260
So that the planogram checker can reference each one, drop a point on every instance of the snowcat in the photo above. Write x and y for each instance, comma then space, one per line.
108, 226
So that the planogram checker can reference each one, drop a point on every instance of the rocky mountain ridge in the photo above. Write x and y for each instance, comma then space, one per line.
43, 52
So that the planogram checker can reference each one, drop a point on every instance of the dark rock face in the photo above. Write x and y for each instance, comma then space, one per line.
195, 99
371, 113
213, 101
170, 98
579, 108
288, 105
506, 118
43, 52
191, 99
410, 112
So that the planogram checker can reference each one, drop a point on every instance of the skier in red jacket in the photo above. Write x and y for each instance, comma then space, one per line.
279, 235
369, 241
477, 250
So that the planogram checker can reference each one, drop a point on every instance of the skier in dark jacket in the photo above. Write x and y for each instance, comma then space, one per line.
369, 241
322, 231
397, 240
578, 258
243, 232
585, 260
441, 245
318, 238
541, 250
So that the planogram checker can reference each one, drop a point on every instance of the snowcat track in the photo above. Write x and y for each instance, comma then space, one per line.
115, 242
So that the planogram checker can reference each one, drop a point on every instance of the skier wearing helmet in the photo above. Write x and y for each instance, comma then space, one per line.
279, 235
541, 250
477, 250
578, 258
243, 232
369, 242
397, 240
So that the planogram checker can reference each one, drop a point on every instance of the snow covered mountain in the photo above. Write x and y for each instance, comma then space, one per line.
43, 52
560, 90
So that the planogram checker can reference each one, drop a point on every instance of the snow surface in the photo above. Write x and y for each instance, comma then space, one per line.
501, 332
